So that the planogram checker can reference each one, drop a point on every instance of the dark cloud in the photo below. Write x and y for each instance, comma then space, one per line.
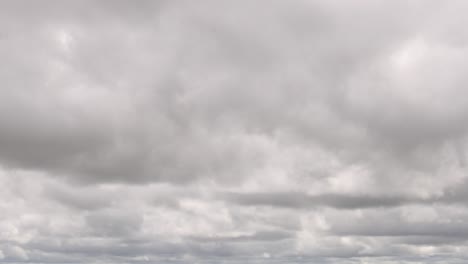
301, 200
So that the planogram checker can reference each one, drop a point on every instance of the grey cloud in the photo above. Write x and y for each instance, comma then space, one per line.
126, 250
258, 236
170, 112
451, 196
82, 199
394, 223
233, 131
14, 253
404, 229
114, 222
301, 200
435, 240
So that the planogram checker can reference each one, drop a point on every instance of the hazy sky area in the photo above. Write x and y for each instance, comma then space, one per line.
234, 131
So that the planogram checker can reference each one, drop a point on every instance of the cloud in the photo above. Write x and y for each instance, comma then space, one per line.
300, 200
175, 109
114, 222
246, 131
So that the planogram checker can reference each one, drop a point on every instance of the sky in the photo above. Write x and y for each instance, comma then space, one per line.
237, 132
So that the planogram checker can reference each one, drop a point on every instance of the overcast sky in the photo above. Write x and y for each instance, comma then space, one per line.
216, 131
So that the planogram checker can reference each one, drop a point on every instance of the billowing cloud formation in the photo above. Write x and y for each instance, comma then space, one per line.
239, 131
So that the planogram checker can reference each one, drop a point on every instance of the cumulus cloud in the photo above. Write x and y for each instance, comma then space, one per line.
247, 131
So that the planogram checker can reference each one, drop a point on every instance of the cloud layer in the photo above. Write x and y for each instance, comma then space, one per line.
236, 131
